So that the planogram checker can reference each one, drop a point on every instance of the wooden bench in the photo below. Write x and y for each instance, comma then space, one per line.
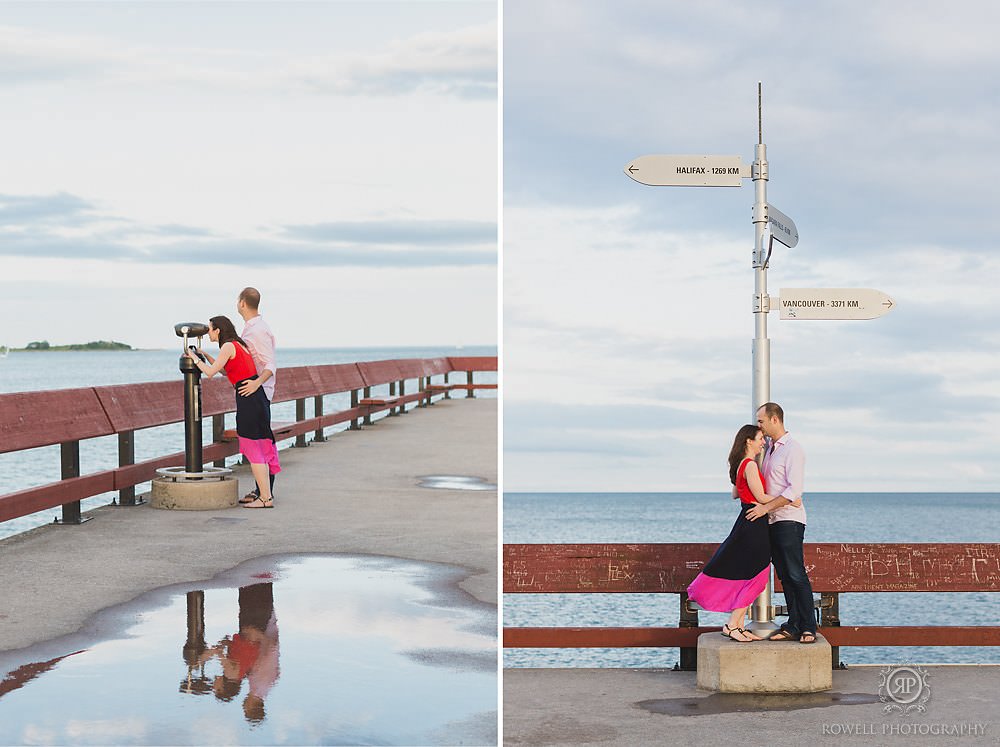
67, 416
833, 568
849, 567
469, 364
281, 431
379, 373
437, 367
607, 569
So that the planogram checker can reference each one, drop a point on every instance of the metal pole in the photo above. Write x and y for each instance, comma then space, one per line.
192, 414
126, 456
69, 452
762, 620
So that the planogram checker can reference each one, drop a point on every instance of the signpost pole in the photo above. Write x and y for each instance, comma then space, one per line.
762, 621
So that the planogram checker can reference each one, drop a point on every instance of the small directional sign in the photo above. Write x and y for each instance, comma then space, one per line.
833, 303
688, 171
782, 227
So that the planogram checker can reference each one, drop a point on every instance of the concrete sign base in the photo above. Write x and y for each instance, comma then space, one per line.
727, 666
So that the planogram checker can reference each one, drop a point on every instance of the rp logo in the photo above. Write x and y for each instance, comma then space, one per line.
904, 689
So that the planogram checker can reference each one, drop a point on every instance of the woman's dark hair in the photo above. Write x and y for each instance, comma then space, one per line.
746, 433
227, 331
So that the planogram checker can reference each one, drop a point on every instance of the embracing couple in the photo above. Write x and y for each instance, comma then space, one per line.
739, 569
248, 363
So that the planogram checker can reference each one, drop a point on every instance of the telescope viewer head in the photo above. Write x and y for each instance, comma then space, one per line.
191, 329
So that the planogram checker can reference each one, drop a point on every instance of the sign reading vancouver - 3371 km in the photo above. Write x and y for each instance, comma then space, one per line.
833, 303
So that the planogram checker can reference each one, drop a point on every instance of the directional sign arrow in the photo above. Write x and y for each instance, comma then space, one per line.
833, 303
782, 227
688, 171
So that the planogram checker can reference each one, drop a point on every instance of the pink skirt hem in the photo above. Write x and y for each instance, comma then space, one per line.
261, 451
725, 594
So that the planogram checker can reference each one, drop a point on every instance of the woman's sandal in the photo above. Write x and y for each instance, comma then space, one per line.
249, 498
811, 637
729, 635
258, 503
782, 635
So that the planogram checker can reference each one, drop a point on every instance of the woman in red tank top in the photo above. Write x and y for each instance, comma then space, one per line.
253, 412
741, 566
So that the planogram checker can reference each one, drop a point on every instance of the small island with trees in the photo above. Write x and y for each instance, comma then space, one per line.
42, 345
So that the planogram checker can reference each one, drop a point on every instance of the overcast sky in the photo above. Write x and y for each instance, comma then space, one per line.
627, 308
339, 156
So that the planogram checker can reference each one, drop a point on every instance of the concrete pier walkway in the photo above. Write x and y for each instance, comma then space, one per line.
355, 493
649, 707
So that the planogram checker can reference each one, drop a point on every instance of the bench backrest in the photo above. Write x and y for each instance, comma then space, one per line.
436, 366
32, 419
669, 568
380, 372
294, 383
602, 568
473, 363
338, 377
847, 567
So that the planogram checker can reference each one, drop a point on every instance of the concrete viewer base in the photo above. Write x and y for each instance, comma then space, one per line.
194, 495
727, 666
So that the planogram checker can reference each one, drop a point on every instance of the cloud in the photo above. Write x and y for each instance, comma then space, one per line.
60, 208
63, 226
881, 147
460, 63
28, 56
395, 232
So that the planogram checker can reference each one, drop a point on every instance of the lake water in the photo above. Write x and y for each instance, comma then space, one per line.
23, 372
708, 517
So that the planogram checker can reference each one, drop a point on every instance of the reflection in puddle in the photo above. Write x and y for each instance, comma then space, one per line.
455, 482
370, 651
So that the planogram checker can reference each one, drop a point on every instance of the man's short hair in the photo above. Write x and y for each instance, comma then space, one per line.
251, 297
773, 410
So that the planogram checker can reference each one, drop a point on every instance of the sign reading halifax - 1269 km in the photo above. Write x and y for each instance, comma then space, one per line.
688, 171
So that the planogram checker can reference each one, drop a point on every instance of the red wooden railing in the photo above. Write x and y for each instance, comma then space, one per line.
834, 568
66, 416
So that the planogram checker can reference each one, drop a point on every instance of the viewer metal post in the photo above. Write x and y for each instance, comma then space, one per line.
192, 415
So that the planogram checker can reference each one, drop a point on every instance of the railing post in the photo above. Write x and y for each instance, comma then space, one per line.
422, 387
356, 422
126, 456
447, 394
70, 457
402, 392
300, 415
469, 393
218, 433
392, 393
688, 619
318, 412
368, 413
830, 618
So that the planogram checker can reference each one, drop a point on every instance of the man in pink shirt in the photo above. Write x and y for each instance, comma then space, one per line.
260, 341
783, 471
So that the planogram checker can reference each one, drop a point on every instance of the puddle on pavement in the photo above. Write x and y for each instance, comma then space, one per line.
711, 705
291, 650
455, 482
